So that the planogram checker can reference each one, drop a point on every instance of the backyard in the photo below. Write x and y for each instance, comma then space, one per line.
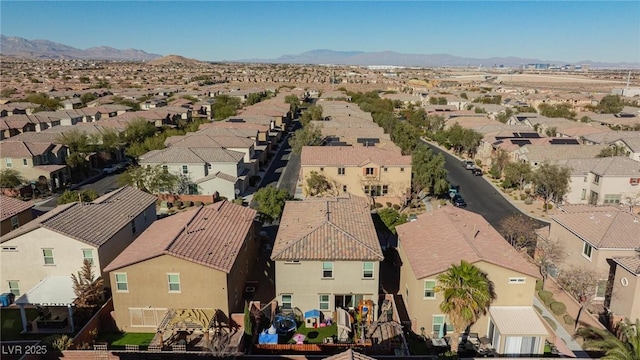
12, 324
316, 336
119, 340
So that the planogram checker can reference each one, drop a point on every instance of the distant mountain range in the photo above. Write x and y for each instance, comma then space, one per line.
45, 49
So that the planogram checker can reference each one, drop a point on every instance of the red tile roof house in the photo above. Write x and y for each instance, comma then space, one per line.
327, 255
54, 245
42, 162
428, 246
13, 213
197, 259
599, 237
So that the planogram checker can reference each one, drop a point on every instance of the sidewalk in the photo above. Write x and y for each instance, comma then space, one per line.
561, 333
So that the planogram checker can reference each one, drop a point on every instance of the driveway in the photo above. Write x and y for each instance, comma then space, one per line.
481, 197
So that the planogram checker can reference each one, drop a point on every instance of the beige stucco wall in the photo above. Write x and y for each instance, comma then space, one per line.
27, 263
607, 185
200, 170
421, 310
222, 187
201, 287
304, 281
625, 300
237, 277
398, 180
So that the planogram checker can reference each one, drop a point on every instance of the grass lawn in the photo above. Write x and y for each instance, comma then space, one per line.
119, 340
315, 336
12, 324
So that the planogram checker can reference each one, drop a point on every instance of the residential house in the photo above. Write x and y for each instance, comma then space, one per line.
72, 103
13, 125
197, 259
13, 213
206, 170
428, 246
626, 284
381, 174
603, 181
41, 162
57, 242
18, 108
327, 255
535, 155
594, 236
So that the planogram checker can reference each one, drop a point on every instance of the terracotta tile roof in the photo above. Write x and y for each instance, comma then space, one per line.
604, 227
447, 235
98, 221
235, 125
211, 236
21, 149
338, 228
350, 355
631, 263
607, 166
351, 155
11, 206
202, 140
219, 175
195, 155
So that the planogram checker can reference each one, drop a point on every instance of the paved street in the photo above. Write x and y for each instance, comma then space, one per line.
481, 197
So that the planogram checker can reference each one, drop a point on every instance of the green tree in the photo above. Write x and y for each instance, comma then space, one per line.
7, 92
392, 218
317, 184
88, 289
557, 111
519, 230
610, 104
518, 173
46, 103
269, 202
294, 104
138, 130
613, 150
309, 135
467, 294
552, 182
11, 178
464, 96
225, 106
549, 252
503, 117
254, 98
87, 98
438, 101
428, 171
70, 196
626, 346
152, 179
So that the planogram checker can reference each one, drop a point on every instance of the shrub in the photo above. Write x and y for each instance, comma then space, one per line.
379, 205
558, 308
198, 203
523, 197
552, 323
539, 285
528, 201
549, 206
187, 203
177, 204
545, 295
527, 191
396, 206
568, 319
442, 202
388, 204
478, 162
537, 309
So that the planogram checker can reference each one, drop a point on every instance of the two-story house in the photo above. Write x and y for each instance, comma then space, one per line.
327, 254
207, 170
13, 213
428, 246
38, 162
382, 175
597, 237
58, 242
602, 181
197, 259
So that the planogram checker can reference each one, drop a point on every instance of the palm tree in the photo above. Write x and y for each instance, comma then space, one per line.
626, 347
467, 294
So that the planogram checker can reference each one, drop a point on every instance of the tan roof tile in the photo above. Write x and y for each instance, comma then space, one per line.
631, 263
447, 235
11, 206
338, 228
211, 236
351, 155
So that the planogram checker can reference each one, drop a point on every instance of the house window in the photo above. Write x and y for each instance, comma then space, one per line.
369, 171
292, 262
145, 216
634, 181
344, 188
15, 223
429, 289
121, 282
321, 169
24, 162
9, 248
48, 256
367, 270
146, 317
601, 289
385, 189
185, 169
209, 166
596, 179
612, 199
584, 194
133, 226
14, 287
323, 301
340, 171
401, 169
440, 324
516, 280
586, 250
287, 301
327, 269
8, 162
88, 255
174, 282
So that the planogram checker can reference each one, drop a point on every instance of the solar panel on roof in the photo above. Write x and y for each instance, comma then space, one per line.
368, 140
236, 120
568, 141
337, 143
529, 135
520, 142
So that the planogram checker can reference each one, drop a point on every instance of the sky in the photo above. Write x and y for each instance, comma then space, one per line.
560, 30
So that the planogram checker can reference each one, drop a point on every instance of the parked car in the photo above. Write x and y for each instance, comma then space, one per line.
469, 164
458, 201
477, 172
111, 169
